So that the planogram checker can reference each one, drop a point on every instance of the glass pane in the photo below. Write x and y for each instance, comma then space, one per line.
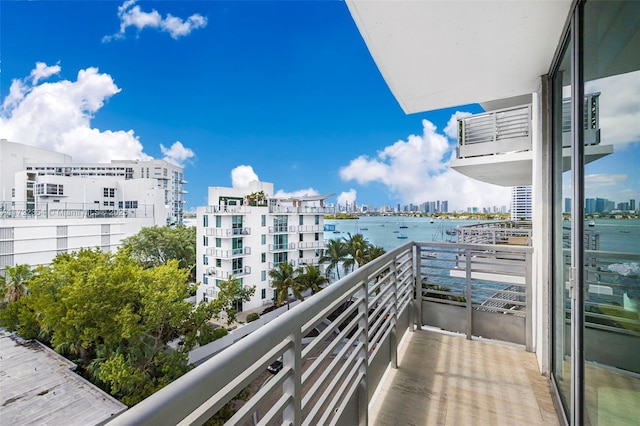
562, 195
612, 231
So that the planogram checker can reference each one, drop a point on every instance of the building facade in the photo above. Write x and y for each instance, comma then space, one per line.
245, 233
521, 204
50, 205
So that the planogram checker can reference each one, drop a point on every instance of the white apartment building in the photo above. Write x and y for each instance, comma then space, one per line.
50, 205
244, 233
521, 204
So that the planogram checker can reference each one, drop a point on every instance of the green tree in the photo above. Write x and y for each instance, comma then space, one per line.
334, 254
312, 279
13, 286
230, 292
372, 252
154, 246
284, 280
357, 246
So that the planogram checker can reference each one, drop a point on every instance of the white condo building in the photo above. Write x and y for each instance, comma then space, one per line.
244, 233
49, 205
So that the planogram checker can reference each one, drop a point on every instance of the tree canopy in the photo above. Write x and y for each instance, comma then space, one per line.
154, 246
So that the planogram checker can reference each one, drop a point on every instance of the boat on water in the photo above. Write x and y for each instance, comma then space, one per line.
402, 237
450, 231
364, 228
336, 232
592, 223
403, 226
431, 221
396, 232
429, 255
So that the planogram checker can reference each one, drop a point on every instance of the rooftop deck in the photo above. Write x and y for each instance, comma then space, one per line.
446, 379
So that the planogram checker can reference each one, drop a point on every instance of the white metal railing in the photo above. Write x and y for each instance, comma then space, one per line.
227, 232
282, 229
358, 322
299, 210
227, 254
501, 232
495, 132
225, 275
273, 265
310, 228
311, 244
228, 209
282, 247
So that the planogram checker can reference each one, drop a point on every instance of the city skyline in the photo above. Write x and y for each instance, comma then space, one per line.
276, 91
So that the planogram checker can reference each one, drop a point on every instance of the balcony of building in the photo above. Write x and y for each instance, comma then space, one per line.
228, 253
302, 245
282, 247
503, 138
397, 342
300, 210
283, 229
224, 209
227, 232
225, 274
310, 228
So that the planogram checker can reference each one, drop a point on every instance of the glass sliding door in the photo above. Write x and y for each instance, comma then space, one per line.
611, 270
596, 194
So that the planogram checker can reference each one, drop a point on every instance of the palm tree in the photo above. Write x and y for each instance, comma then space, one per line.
372, 253
284, 279
13, 285
312, 279
357, 246
335, 253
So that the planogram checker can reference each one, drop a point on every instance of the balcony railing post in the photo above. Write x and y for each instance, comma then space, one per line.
467, 293
416, 311
393, 336
528, 329
293, 384
363, 329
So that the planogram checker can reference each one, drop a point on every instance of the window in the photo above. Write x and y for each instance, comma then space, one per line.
205, 220
300, 220
218, 242
218, 263
317, 237
205, 240
108, 192
264, 257
263, 239
237, 264
300, 254
205, 259
317, 219
263, 220
218, 221
263, 293
300, 237
263, 276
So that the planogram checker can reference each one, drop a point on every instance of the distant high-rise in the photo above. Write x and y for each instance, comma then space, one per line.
444, 206
521, 204
632, 205
567, 205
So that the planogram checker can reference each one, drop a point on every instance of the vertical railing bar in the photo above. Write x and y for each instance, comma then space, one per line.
393, 337
469, 319
528, 329
293, 384
363, 325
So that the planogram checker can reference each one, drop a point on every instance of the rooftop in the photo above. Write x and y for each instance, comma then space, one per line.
38, 386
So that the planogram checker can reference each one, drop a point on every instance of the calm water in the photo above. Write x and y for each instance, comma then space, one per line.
615, 234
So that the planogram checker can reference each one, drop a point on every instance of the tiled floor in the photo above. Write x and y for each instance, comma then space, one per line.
448, 380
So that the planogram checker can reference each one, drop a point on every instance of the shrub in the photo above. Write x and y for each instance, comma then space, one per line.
253, 316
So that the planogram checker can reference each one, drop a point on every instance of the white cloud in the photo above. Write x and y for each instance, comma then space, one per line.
417, 170
57, 116
452, 126
177, 154
242, 175
619, 108
600, 180
132, 15
347, 197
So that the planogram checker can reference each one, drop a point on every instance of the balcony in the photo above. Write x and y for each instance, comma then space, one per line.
501, 232
282, 247
356, 372
300, 210
311, 245
502, 138
228, 209
227, 232
225, 274
228, 254
310, 228
282, 229
274, 265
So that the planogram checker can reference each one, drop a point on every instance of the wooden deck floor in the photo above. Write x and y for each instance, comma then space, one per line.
448, 380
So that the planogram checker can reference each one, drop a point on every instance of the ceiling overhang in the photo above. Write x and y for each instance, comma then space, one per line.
438, 54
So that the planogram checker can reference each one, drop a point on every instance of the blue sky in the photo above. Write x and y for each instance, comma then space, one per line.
287, 88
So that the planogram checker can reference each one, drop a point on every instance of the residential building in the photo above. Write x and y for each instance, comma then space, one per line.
246, 232
50, 205
521, 208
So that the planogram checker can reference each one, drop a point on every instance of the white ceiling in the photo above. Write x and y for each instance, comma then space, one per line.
437, 54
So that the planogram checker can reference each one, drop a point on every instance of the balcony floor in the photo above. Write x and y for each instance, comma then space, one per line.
447, 380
